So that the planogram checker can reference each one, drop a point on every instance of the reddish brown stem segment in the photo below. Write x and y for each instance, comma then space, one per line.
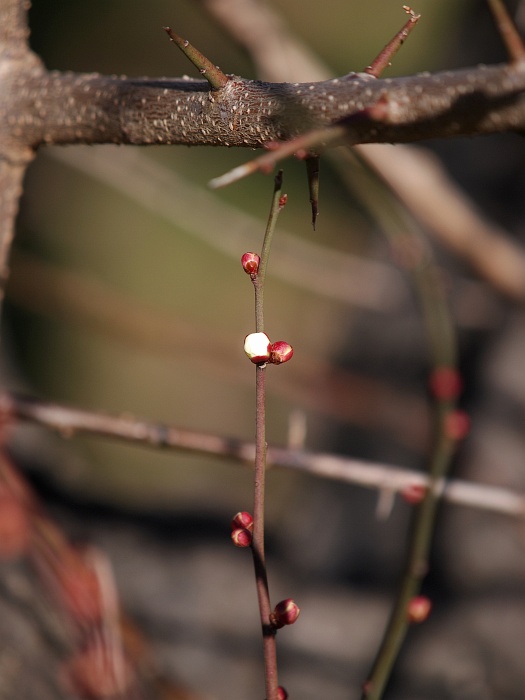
259, 560
261, 578
508, 32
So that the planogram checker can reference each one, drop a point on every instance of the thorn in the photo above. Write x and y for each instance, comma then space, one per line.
312, 173
508, 32
383, 59
213, 74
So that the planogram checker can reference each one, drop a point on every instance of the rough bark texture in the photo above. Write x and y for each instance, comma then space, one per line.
67, 108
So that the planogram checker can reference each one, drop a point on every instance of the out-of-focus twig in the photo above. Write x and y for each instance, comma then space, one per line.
508, 31
68, 421
364, 283
450, 215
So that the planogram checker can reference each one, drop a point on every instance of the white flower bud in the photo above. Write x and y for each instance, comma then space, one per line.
257, 347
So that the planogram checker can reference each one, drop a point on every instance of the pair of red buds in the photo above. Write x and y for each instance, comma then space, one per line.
260, 350
287, 611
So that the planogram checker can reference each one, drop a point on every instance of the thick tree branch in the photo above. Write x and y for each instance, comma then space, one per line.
68, 108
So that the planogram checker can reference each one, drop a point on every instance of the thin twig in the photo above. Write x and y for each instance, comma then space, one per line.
508, 31
442, 345
68, 421
259, 560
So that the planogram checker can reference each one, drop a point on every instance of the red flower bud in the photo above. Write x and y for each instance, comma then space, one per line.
282, 201
457, 425
418, 609
414, 493
250, 263
244, 520
285, 613
257, 347
280, 352
281, 693
241, 537
445, 383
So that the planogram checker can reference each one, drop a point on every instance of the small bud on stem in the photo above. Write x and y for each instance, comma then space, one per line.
250, 263
285, 613
241, 537
414, 493
418, 609
280, 352
243, 520
445, 383
257, 347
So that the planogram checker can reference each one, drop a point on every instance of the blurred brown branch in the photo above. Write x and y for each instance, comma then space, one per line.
384, 477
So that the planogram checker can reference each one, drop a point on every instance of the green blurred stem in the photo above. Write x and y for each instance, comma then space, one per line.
416, 566
400, 226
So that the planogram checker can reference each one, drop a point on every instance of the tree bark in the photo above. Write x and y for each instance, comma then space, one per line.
40, 107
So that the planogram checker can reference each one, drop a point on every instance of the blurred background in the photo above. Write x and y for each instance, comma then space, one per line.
127, 296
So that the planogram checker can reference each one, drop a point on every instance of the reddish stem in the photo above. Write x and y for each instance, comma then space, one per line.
259, 561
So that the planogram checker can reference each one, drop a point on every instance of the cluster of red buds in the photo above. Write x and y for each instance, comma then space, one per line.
242, 529
260, 350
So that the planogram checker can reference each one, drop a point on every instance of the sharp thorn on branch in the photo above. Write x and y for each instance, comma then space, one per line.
213, 74
312, 173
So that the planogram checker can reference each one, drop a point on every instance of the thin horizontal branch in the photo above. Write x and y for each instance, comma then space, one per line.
68, 108
68, 421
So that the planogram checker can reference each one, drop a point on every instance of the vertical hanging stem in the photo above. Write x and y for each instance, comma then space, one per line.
259, 561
